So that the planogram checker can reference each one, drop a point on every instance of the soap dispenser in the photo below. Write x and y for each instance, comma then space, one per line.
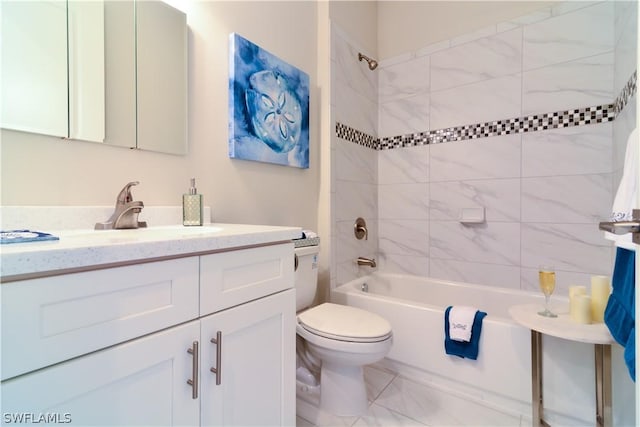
192, 206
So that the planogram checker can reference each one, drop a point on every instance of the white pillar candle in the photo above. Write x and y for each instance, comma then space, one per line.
582, 312
573, 291
600, 290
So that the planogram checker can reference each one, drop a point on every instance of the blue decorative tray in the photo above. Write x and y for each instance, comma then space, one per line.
23, 236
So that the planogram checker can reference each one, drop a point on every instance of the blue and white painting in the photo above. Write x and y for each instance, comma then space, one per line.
268, 105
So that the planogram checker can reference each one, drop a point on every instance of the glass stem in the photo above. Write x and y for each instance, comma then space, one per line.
546, 302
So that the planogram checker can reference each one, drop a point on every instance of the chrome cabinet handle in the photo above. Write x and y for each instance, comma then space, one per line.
624, 227
193, 382
218, 369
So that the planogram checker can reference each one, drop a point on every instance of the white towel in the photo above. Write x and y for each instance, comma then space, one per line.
625, 199
460, 322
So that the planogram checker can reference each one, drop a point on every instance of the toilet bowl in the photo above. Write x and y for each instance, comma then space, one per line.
343, 339
334, 343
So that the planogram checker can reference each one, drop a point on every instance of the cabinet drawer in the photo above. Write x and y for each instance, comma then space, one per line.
231, 278
48, 320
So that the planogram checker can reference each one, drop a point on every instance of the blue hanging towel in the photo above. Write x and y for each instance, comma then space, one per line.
469, 349
619, 315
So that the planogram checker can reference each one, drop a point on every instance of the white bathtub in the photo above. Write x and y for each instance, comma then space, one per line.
501, 377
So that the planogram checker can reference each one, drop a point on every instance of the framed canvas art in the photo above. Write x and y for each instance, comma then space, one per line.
268, 107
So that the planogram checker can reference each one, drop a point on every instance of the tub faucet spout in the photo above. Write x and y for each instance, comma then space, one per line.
371, 262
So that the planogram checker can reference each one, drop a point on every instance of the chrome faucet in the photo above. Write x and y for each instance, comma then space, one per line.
126, 212
371, 262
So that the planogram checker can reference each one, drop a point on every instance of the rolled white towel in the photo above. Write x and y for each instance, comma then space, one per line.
460, 322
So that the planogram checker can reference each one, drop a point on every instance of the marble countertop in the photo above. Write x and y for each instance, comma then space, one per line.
81, 249
561, 326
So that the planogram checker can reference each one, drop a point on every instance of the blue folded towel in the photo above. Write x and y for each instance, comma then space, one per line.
469, 349
619, 315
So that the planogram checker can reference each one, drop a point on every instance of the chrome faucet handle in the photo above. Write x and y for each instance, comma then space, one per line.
124, 196
360, 229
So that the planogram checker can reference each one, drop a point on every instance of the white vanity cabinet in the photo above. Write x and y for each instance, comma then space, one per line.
132, 345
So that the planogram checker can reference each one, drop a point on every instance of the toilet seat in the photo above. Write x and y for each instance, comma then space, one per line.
344, 323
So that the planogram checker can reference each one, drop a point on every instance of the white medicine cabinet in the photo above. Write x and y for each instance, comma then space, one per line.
113, 72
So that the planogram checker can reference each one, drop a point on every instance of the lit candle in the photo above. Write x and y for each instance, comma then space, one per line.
575, 290
600, 290
582, 312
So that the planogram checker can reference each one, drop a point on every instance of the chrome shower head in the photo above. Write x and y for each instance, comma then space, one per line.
373, 64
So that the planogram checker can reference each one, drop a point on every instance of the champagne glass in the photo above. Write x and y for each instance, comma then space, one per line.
547, 278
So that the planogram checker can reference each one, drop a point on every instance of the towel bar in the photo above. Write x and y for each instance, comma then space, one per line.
624, 227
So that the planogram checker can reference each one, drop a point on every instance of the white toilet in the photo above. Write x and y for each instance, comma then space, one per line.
335, 341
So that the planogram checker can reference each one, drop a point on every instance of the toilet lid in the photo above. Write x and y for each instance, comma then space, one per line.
345, 323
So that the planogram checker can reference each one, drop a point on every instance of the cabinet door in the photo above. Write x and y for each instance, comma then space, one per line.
257, 366
141, 382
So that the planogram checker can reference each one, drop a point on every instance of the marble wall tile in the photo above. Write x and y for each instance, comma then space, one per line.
403, 201
585, 32
405, 165
622, 10
353, 108
354, 199
499, 197
559, 182
354, 162
403, 116
404, 79
626, 53
404, 264
582, 82
573, 199
479, 102
494, 157
474, 35
495, 242
569, 247
563, 7
622, 128
404, 237
347, 271
569, 151
564, 279
354, 72
349, 248
434, 47
503, 276
483, 59
394, 60
530, 18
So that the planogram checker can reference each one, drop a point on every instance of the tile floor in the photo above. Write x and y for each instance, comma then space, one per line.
396, 401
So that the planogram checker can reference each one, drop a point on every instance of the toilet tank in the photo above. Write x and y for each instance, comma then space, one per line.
306, 275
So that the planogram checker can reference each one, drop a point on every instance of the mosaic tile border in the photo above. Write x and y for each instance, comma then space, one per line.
627, 92
532, 123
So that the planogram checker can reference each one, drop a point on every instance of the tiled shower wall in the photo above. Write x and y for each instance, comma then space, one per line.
543, 190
